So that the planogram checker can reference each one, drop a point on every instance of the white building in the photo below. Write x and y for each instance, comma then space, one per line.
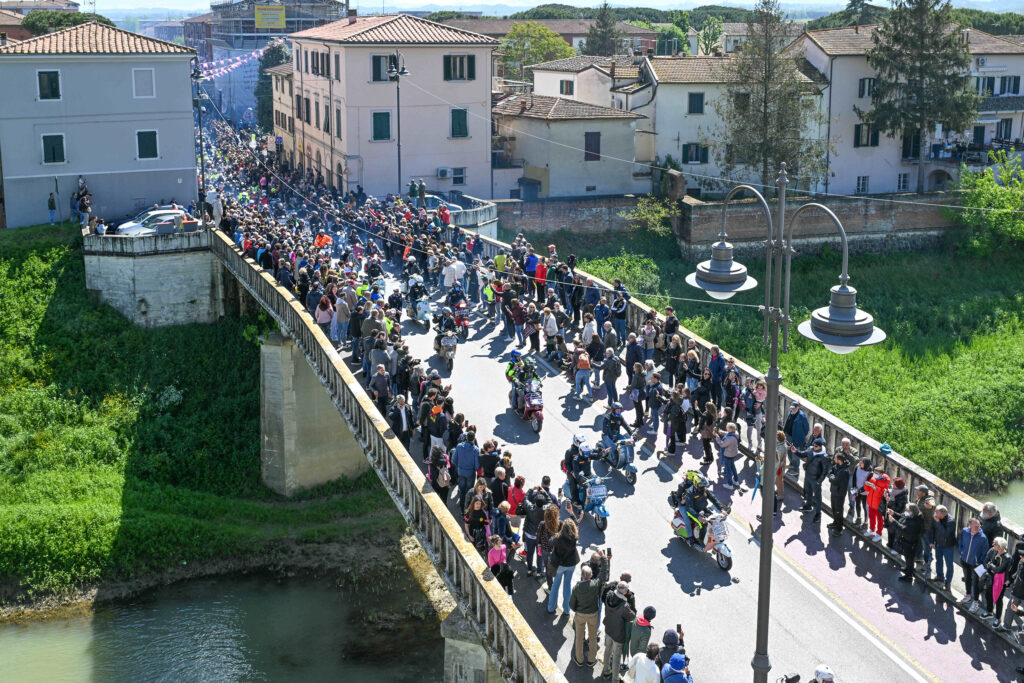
864, 162
585, 78
347, 115
101, 102
734, 34
570, 148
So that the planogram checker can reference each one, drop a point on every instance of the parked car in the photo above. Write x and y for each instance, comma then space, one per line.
434, 203
137, 218
147, 225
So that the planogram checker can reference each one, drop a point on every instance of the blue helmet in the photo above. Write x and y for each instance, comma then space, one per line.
516, 355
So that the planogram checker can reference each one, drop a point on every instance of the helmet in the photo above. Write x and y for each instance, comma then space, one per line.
699, 485
824, 674
456, 286
447, 311
585, 449
515, 354
616, 406
578, 439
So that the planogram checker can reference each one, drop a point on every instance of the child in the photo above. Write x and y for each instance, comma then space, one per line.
497, 560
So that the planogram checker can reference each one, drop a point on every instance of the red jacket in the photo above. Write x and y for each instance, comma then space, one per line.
876, 486
515, 497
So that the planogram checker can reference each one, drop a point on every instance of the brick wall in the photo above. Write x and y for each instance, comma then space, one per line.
576, 214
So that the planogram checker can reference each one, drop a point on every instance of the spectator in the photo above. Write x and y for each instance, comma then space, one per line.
610, 371
439, 472
640, 632
997, 561
533, 509
466, 461
1016, 590
51, 206
475, 522
839, 486
926, 505
706, 429
515, 496
564, 558
677, 670
942, 540
973, 547
618, 614
584, 602
859, 492
909, 527
729, 443
643, 667
876, 486
380, 385
498, 484
402, 422
671, 644
502, 528
896, 502
634, 356
796, 429
716, 364
497, 560
546, 533
991, 522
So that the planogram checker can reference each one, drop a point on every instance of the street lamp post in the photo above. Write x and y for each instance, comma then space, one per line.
840, 326
395, 73
197, 78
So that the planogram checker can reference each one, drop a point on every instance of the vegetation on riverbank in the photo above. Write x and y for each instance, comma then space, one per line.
944, 388
124, 450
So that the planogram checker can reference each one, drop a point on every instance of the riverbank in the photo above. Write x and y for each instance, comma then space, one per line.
130, 457
942, 390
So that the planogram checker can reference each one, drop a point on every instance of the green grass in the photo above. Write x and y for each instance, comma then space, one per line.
124, 450
945, 389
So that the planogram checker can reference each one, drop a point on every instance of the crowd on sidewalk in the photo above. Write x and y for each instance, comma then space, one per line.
332, 249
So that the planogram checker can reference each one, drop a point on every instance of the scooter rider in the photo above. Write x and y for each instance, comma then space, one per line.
577, 462
524, 371
416, 289
613, 425
456, 296
445, 324
395, 300
694, 496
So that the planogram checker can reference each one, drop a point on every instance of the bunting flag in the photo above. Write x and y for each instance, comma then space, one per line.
222, 67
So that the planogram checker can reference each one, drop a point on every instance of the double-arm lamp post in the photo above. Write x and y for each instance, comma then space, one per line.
396, 70
840, 326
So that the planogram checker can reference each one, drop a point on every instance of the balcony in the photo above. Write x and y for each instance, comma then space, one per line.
502, 159
973, 154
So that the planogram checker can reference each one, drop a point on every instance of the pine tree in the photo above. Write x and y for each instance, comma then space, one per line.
771, 111
275, 54
603, 38
921, 60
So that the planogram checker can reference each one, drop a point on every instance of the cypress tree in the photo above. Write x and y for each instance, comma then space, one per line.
603, 38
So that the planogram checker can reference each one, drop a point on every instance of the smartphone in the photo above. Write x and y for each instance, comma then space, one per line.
679, 628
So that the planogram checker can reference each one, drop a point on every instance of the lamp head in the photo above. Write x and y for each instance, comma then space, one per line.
721, 277
841, 326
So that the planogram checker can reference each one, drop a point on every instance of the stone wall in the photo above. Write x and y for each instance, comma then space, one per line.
157, 280
575, 214
871, 223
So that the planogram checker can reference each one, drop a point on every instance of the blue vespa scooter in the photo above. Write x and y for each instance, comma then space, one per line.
592, 493
618, 455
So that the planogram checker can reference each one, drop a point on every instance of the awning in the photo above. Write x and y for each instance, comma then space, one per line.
987, 119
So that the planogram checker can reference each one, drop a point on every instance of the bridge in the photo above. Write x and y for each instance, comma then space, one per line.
834, 601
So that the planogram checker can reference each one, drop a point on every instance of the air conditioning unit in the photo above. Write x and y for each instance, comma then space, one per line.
982, 61
444, 172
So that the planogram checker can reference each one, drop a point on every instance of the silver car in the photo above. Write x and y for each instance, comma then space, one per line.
145, 223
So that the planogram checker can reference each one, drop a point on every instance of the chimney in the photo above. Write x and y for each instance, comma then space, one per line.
352, 16
3, 39
856, 28
613, 70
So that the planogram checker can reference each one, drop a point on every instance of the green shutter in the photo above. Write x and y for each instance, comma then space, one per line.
703, 154
460, 126
447, 68
53, 149
471, 67
874, 137
147, 144
381, 125
856, 135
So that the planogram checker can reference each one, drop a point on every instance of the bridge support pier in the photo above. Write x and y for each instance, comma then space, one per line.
465, 659
304, 440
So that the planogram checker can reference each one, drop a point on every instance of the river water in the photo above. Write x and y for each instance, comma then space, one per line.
1010, 501
232, 629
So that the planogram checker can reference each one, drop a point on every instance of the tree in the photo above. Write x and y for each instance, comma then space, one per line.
992, 205
40, 22
768, 107
275, 54
652, 214
699, 15
921, 61
671, 39
549, 11
709, 35
603, 38
445, 15
680, 19
528, 43
856, 13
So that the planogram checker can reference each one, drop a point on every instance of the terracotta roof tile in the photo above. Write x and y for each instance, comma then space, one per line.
709, 69
401, 29
499, 27
557, 108
852, 40
201, 18
93, 38
8, 18
281, 69
582, 62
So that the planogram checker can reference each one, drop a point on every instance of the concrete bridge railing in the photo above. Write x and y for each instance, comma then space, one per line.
513, 646
961, 505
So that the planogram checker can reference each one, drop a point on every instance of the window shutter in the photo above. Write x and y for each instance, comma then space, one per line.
471, 67
874, 138
703, 154
447, 68
860, 88
856, 135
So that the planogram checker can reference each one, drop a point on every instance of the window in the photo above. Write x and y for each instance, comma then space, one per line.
298, 106
49, 85
864, 136
298, 59
307, 110
695, 153
316, 114
741, 101
591, 147
53, 149
459, 175
1009, 85
316, 64
381, 64
381, 126
143, 85
902, 182
1004, 128
460, 126
696, 103
337, 122
305, 57
340, 168
590, 188
459, 67
291, 124
862, 184
327, 118
565, 87
327, 64
337, 66
865, 86
912, 146
986, 85
145, 143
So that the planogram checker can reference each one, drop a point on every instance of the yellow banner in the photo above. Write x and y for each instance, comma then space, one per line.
269, 16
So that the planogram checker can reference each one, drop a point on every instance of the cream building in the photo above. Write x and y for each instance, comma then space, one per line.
347, 116
585, 78
283, 91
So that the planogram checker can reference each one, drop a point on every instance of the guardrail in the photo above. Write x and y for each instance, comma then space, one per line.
520, 656
961, 505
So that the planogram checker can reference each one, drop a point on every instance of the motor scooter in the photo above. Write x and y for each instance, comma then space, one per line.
420, 312
618, 455
533, 403
445, 345
592, 494
711, 533
462, 319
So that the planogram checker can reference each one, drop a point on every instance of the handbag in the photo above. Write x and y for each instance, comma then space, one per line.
529, 329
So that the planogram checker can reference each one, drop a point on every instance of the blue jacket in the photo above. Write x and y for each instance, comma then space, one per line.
466, 459
592, 296
500, 526
530, 263
717, 367
601, 314
634, 354
797, 429
670, 676
972, 548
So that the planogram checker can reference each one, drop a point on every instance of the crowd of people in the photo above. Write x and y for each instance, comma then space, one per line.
333, 251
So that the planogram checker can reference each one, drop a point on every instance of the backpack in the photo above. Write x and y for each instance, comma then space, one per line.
583, 363
444, 478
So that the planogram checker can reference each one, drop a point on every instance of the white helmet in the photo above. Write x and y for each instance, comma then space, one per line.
579, 440
824, 674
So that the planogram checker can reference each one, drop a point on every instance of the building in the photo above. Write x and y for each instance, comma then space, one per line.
585, 78
569, 148
862, 161
348, 122
573, 31
283, 89
197, 32
233, 33
164, 30
23, 7
734, 34
100, 102
11, 28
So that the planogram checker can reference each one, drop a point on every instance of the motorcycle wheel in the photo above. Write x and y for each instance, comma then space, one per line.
426, 326
450, 363
630, 477
724, 562
536, 424
602, 523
